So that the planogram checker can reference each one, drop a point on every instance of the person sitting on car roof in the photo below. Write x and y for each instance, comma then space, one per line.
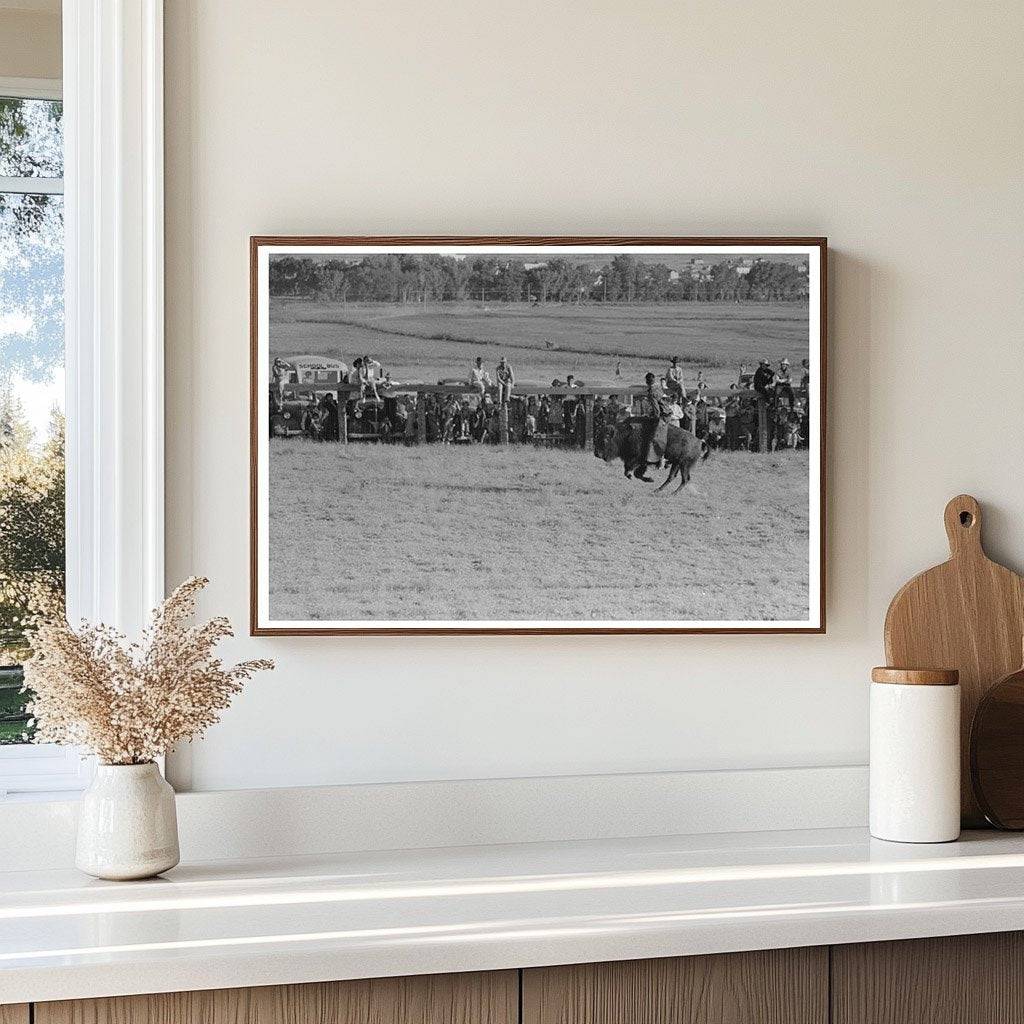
369, 374
479, 377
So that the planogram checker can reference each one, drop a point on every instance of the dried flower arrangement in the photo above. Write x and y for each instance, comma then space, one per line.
129, 703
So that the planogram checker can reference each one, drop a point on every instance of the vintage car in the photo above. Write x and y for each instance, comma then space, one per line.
385, 419
296, 384
368, 420
288, 407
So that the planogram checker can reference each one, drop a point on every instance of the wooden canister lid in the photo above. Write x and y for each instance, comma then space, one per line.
916, 676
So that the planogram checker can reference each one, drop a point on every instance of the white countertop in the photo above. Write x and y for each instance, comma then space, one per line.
261, 922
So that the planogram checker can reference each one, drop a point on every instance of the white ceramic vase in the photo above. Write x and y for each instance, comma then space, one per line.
127, 825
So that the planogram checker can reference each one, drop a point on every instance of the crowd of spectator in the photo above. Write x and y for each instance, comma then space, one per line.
531, 419
492, 410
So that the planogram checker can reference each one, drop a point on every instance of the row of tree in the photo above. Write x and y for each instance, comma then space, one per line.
436, 278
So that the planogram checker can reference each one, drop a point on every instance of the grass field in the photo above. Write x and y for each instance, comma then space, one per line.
544, 342
438, 532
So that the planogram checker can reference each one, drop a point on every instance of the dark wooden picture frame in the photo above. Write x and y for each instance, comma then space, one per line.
258, 434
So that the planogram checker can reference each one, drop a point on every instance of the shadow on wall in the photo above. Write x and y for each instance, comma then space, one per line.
854, 286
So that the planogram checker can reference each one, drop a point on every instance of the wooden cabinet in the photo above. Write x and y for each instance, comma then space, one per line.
971, 979
778, 986
963, 979
491, 998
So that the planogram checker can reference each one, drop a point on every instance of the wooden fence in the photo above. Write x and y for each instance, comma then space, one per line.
588, 393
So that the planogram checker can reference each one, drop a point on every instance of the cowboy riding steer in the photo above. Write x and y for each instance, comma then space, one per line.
629, 440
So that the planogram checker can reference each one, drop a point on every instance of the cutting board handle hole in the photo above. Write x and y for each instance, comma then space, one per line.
966, 519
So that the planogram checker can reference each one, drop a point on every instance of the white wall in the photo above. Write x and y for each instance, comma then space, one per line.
895, 129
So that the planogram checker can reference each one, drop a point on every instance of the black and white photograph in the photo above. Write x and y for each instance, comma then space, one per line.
537, 435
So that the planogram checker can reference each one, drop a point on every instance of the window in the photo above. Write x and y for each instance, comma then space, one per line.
91, 171
32, 548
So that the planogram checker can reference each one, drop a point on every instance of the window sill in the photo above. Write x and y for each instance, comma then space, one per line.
43, 771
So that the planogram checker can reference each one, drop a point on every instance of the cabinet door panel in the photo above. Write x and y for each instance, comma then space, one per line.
14, 1013
482, 998
961, 979
778, 986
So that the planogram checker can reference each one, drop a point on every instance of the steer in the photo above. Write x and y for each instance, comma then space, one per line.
627, 441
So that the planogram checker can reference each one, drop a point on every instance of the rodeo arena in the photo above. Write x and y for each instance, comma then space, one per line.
325, 400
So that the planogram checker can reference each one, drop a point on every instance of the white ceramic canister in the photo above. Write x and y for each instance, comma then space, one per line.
915, 755
127, 825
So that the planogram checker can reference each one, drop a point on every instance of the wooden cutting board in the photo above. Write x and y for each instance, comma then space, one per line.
997, 752
967, 614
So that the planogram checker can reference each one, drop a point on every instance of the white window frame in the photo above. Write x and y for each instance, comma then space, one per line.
114, 326
31, 89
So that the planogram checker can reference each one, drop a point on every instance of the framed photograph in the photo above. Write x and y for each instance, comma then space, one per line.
537, 435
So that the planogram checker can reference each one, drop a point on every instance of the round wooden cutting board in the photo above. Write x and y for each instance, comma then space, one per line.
967, 614
997, 752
